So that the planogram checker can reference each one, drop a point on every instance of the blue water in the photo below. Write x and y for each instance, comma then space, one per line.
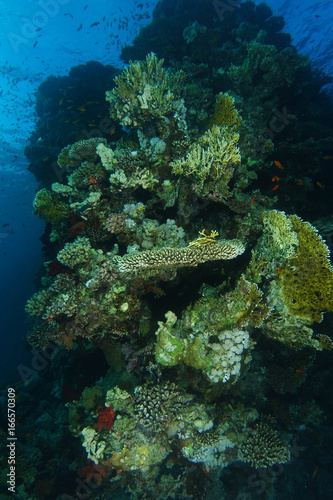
47, 38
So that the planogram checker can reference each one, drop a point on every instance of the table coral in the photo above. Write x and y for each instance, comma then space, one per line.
153, 260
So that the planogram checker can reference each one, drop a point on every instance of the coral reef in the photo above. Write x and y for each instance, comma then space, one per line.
186, 345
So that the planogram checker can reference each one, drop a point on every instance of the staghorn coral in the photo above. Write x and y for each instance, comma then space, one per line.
264, 448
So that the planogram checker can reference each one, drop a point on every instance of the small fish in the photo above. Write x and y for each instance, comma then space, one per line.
253, 199
327, 157
34, 45
279, 270
91, 125
275, 187
300, 371
82, 108
49, 319
300, 182
275, 178
5, 225
278, 164
96, 23
92, 180
79, 28
321, 185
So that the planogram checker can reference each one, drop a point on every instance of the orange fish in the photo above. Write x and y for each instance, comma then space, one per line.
253, 198
300, 371
92, 180
300, 182
327, 157
275, 178
321, 185
49, 319
278, 164
275, 187
279, 270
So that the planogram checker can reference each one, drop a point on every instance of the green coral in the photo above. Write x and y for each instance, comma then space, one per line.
220, 355
75, 253
48, 206
212, 159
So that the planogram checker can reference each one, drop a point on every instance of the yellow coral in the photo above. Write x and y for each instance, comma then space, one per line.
206, 238
307, 280
225, 113
214, 156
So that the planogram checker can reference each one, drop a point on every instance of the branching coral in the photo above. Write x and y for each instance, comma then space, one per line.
146, 93
264, 447
213, 158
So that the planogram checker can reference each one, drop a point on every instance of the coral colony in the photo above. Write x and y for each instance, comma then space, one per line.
173, 254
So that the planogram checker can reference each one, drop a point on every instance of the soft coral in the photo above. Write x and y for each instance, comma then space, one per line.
106, 418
